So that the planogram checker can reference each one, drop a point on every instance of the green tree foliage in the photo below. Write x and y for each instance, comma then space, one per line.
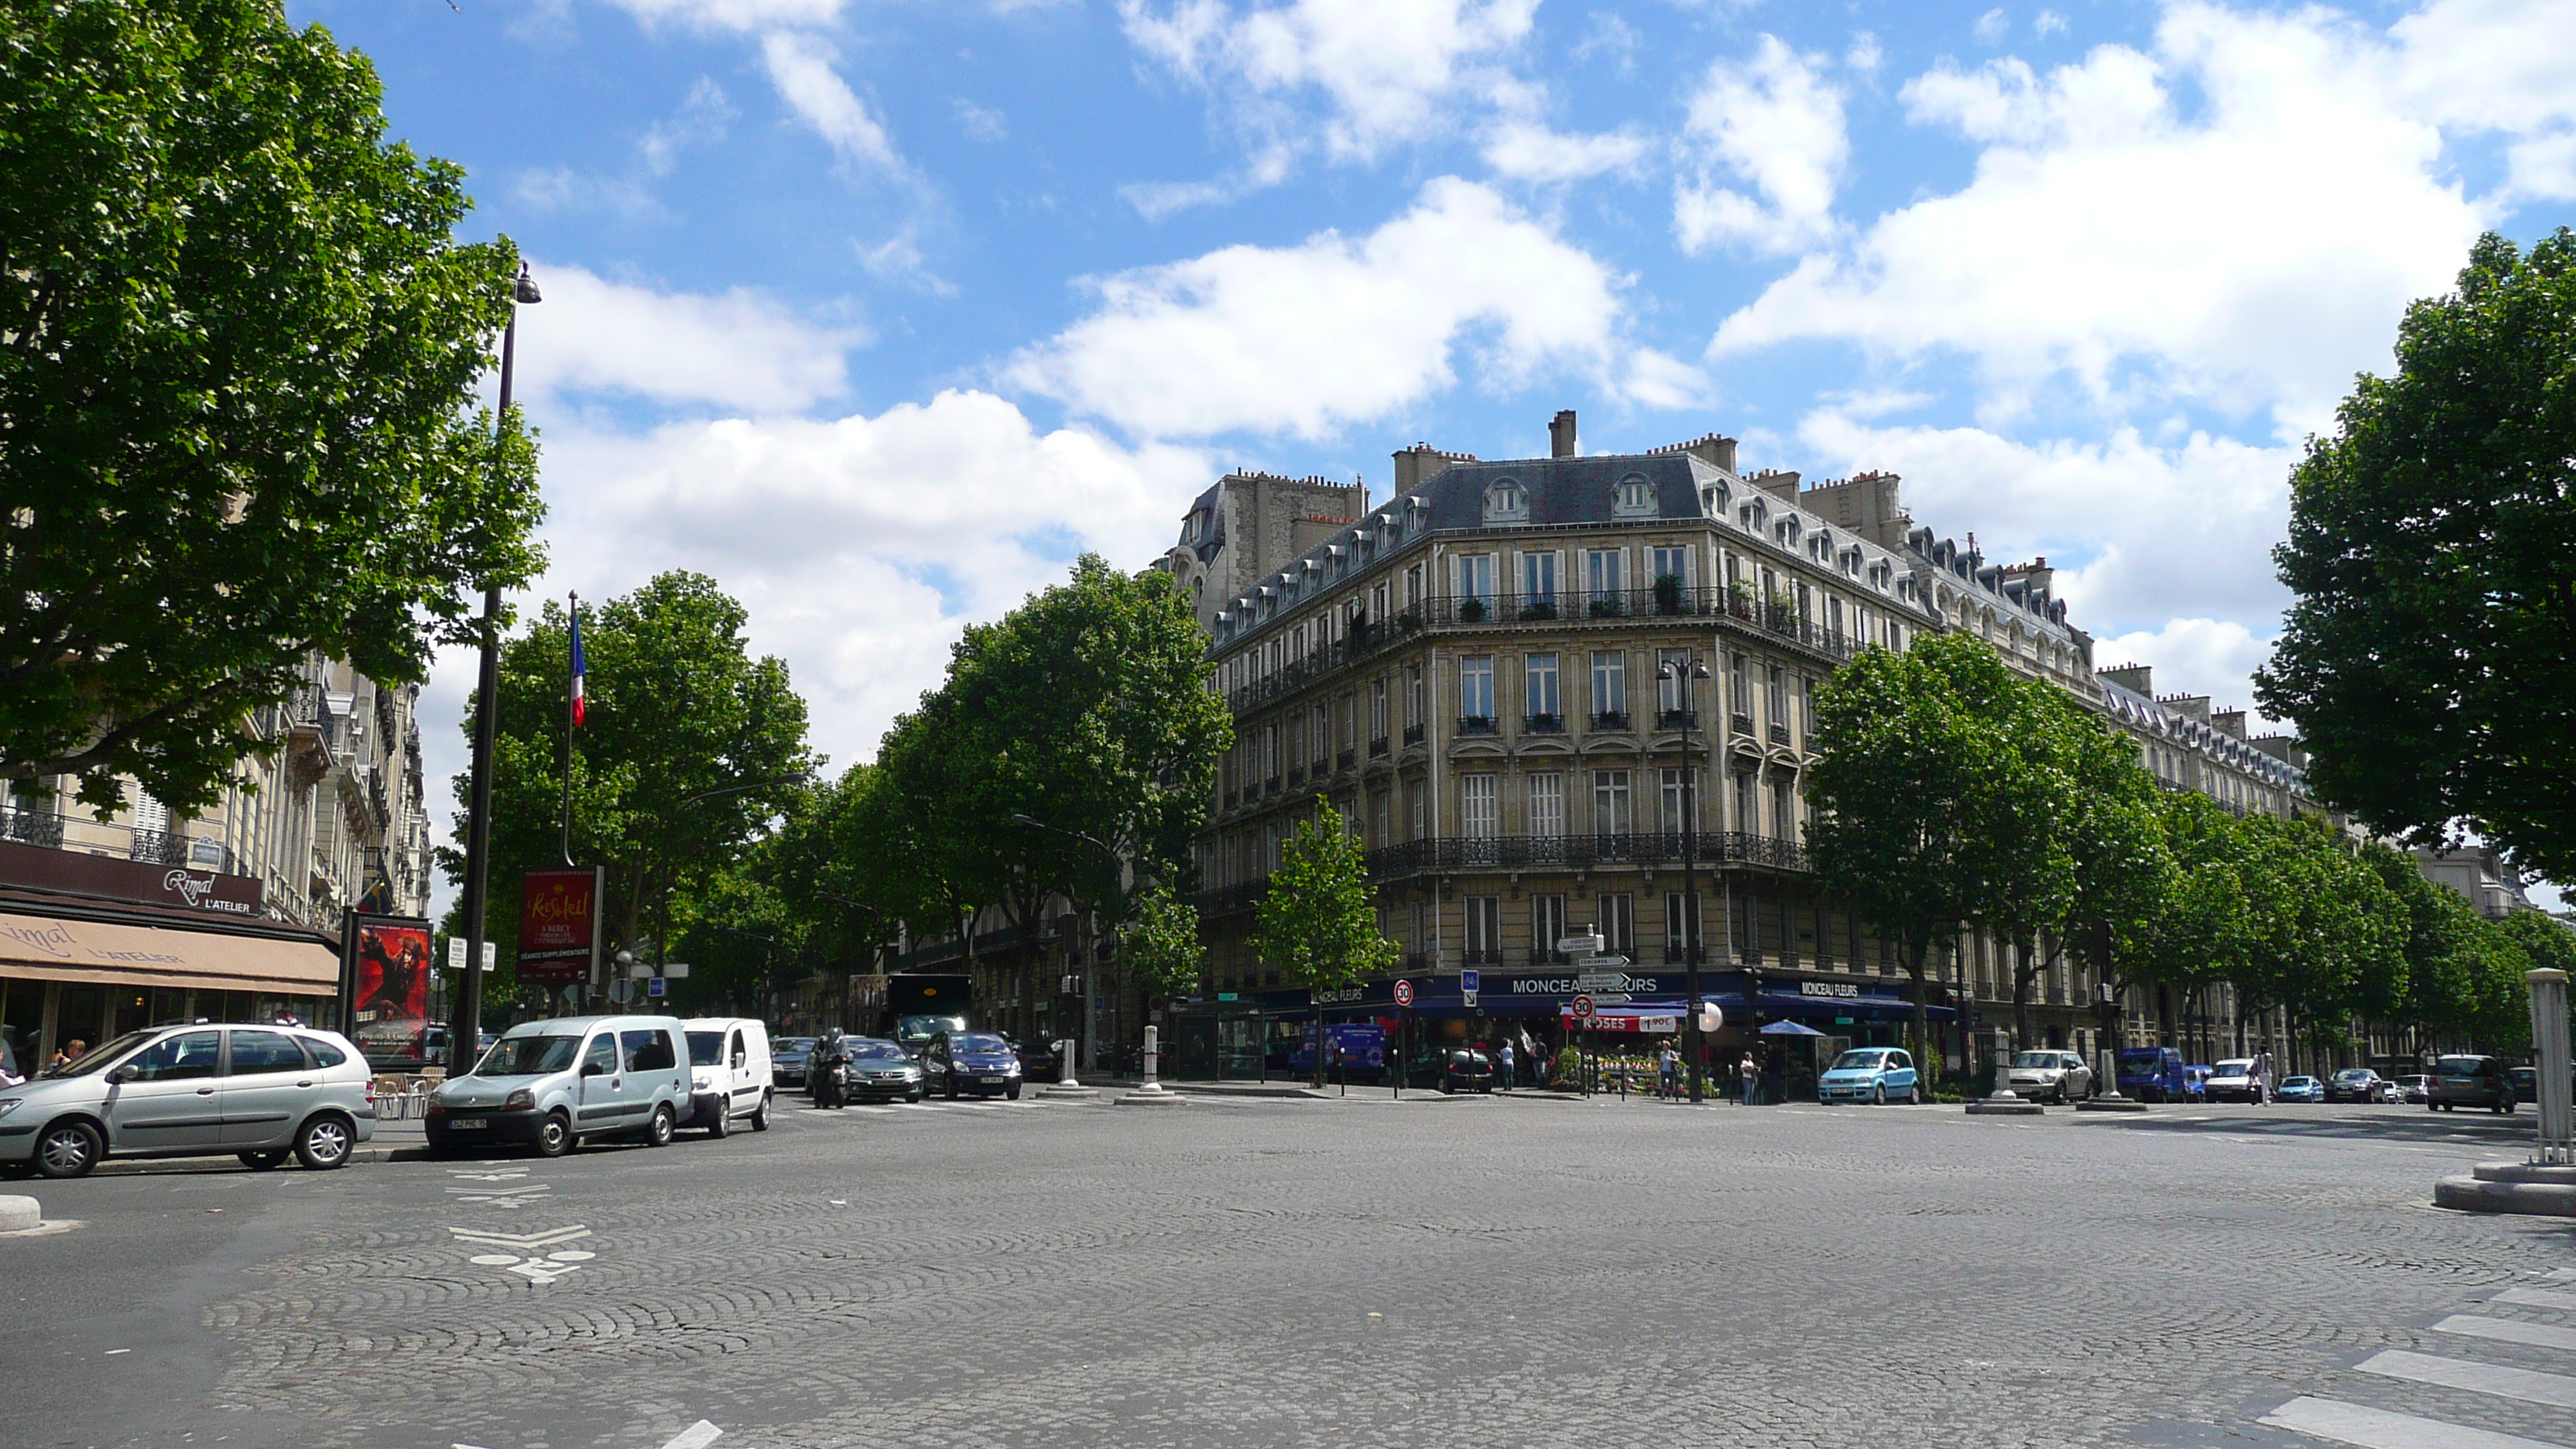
2191, 930
680, 717
1161, 944
2326, 938
2430, 658
238, 356
1317, 923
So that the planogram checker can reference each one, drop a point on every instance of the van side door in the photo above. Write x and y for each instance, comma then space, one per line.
602, 1104
653, 1057
744, 1090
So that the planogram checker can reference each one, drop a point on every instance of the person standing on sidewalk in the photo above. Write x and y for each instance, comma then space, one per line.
1668, 1071
1503, 1064
1751, 1072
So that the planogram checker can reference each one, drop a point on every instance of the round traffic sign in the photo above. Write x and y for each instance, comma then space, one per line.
1404, 993
1582, 1006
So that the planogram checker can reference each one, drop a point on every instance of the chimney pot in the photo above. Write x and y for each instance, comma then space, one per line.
1560, 436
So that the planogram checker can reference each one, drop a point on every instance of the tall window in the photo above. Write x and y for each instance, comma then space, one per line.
1784, 813
1421, 810
1777, 688
1350, 721
1601, 570
1669, 687
1319, 742
1610, 812
1833, 616
1618, 925
1547, 804
1385, 805
1676, 792
1476, 577
1610, 683
1673, 562
1413, 586
1476, 686
1484, 930
1748, 804
1480, 806
1538, 579
1413, 697
1539, 686
1377, 709
1742, 687
1681, 927
1547, 926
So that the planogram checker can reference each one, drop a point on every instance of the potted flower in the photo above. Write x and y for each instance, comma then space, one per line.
1668, 593
1471, 610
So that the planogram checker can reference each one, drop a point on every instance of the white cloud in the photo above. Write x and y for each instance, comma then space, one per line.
734, 14
1383, 69
1993, 26
1777, 123
1336, 330
2500, 65
1528, 151
982, 123
1155, 200
2215, 657
801, 67
2249, 255
1865, 56
738, 350
2048, 22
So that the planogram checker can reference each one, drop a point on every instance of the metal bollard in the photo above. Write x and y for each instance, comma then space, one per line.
2557, 1144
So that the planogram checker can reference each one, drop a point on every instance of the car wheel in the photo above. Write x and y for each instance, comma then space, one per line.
658, 1132
325, 1142
1014, 1092
554, 1135
266, 1160
760, 1114
724, 1119
1878, 1095
69, 1149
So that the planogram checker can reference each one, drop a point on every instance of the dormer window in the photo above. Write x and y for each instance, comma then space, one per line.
1633, 497
1506, 502
1712, 500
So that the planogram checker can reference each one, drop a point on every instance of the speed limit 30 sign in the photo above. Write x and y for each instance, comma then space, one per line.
1404, 993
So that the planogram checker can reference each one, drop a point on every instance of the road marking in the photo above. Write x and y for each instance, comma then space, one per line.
526, 1254
2509, 1330
503, 1197
2529, 1385
2379, 1429
2536, 1298
697, 1436
505, 1175
527, 1241
2559, 1275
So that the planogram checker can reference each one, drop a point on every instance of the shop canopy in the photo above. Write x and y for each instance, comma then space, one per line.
49, 949
1790, 1028
1652, 1018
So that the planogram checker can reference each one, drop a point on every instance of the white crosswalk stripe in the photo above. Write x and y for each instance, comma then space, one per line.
2509, 1330
2532, 1404
2529, 1385
2379, 1429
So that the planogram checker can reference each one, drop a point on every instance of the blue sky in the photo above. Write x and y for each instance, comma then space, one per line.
877, 310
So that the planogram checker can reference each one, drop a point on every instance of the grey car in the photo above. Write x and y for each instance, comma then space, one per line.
260, 1092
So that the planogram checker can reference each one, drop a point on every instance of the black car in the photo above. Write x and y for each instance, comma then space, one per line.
1039, 1061
2473, 1081
1467, 1070
2526, 1084
880, 1072
2357, 1084
970, 1063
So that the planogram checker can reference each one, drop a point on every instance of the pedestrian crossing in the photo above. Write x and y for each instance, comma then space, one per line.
2523, 1405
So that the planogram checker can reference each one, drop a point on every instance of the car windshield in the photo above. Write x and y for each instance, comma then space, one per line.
2459, 1066
1855, 1061
2353, 1074
2143, 1057
2037, 1059
99, 1057
979, 1043
2235, 1069
925, 1026
2300, 1082
796, 1044
528, 1056
874, 1050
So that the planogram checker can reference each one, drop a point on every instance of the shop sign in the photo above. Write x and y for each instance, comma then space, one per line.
1597, 985
130, 880
1340, 994
1829, 988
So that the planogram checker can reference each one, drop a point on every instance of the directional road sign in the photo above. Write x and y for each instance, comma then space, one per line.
1404, 993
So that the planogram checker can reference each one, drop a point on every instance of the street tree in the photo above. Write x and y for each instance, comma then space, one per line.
2192, 932
1317, 922
2326, 938
2429, 658
1161, 944
239, 347
691, 749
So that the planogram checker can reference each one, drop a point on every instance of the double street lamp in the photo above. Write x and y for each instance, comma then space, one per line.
1681, 673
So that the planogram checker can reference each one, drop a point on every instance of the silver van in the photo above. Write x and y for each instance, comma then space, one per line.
550, 1084
730, 1073
196, 1090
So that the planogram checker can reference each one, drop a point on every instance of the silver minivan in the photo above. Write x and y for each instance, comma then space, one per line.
730, 1073
550, 1084
260, 1092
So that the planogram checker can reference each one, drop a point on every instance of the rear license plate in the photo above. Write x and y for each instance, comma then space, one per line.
469, 1124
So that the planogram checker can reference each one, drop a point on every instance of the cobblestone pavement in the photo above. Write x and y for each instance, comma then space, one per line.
1253, 1271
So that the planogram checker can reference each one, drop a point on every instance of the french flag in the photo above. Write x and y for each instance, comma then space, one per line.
580, 708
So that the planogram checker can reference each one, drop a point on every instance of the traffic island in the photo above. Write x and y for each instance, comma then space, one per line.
20, 1214
1150, 1093
2005, 1104
2109, 1098
2511, 1187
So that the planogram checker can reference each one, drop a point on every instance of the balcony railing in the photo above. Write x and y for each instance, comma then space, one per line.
1377, 746
1677, 719
1779, 733
32, 827
1346, 759
1543, 724
160, 847
1479, 724
1579, 852
1610, 719
1740, 722
1413, 734
1297, 776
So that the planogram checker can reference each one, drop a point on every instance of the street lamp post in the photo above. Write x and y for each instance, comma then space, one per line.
1090, 1000
1694, 1045
487, 715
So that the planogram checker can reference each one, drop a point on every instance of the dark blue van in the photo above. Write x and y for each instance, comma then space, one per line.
2154, 1074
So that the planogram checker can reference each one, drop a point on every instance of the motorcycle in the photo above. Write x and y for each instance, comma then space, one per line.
832, 1085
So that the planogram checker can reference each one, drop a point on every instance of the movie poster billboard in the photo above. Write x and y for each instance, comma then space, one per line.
386, 973
559, 926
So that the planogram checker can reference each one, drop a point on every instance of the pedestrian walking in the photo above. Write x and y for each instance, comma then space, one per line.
1503, 1063
1751, 1072
1668, 1073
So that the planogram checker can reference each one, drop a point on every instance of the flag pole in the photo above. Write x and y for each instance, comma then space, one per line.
572, 718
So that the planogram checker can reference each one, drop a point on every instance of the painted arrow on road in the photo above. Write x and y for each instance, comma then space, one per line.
525, 1243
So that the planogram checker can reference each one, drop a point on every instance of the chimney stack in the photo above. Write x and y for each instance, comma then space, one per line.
1560, 436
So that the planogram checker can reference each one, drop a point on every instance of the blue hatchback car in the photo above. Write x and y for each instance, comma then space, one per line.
1870, 1074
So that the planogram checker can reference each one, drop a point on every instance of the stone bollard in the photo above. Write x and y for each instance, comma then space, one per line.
2005, 1102
1151, 1093
20, 1214
1066, 1084
2108, 1098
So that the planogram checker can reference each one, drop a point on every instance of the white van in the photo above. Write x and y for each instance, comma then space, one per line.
551, 1084
729, 1073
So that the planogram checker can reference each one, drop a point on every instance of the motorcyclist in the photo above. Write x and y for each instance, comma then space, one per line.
831, 1054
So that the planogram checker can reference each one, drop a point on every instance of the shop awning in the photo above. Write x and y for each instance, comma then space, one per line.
43, 948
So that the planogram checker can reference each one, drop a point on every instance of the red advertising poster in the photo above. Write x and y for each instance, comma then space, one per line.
392, 993
558, 926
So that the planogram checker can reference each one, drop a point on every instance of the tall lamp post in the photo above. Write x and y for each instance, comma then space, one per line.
1090, 1001
487, 716
1681, 673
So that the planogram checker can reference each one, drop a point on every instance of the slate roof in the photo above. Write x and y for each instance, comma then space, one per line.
1567, 490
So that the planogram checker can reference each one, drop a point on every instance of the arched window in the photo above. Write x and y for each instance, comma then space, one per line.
1634, 497
1506, 502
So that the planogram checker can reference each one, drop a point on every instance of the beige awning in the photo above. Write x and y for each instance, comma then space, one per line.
42, 948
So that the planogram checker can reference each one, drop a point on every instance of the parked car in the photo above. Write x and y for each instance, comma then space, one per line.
2302, 1089
2414, 1087
2153, 1074
2050, 1076
2354, 1084
880, 1072
1870, 1074
260, 1092
1040, 1061
2473, 1081
730, 1076
976, 1063
555, 1084
1466, 1069
2526, 1084
789, 1056
2243, 1079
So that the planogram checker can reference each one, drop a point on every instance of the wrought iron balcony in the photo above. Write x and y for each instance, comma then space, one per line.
1377, 746
1346, 759
1543, 724
32, 827
1779, 733
1610, 719
1677, 719
1571, 852
1740, 722
160, 847
1413, 734
1297, 776
1479, 724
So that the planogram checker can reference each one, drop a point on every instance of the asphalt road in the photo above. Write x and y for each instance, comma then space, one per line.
1301, 1273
